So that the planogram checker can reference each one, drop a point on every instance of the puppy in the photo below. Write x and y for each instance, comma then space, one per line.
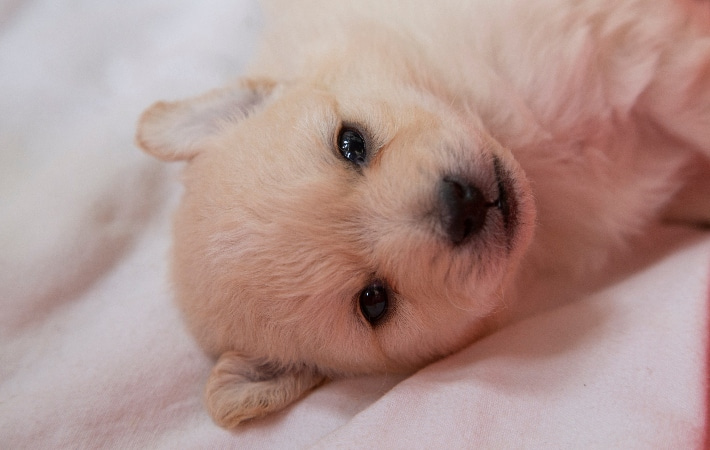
392, 177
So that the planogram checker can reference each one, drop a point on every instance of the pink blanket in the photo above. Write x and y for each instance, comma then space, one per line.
93, 353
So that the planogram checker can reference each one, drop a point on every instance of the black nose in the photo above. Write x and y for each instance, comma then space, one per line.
463, 209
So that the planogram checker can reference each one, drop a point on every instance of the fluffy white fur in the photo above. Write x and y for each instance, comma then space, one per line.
595, 110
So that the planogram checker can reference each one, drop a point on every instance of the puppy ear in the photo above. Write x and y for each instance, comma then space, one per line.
239, 389
173, 131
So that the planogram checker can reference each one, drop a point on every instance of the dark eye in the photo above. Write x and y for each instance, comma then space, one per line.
374, 302
352, 146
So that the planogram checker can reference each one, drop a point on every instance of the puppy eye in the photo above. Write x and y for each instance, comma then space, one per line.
352, 146
374, 302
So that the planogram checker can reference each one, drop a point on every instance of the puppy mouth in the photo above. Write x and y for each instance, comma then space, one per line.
507, 202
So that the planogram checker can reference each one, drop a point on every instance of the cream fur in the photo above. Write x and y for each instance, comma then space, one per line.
592, 107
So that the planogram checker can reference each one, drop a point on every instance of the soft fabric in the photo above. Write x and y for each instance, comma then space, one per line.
93, 353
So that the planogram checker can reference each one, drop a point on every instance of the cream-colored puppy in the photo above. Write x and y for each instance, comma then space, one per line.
394, 174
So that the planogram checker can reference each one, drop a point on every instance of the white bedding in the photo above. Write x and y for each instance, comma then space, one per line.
93, 353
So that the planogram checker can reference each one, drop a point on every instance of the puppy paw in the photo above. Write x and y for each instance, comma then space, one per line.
240, 389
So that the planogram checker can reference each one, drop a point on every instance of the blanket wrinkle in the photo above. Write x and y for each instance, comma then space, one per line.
87, 244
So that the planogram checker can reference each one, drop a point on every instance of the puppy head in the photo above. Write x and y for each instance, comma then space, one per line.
329, 229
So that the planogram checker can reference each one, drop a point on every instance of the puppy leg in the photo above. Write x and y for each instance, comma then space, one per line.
678, 101
678, 98
692, 204
239, 389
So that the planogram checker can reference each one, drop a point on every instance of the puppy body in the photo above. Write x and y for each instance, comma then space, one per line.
574, 121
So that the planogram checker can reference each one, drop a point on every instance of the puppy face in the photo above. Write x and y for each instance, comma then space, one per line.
338, 228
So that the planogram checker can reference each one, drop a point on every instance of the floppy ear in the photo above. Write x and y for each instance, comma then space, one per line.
177, 130
239, 389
